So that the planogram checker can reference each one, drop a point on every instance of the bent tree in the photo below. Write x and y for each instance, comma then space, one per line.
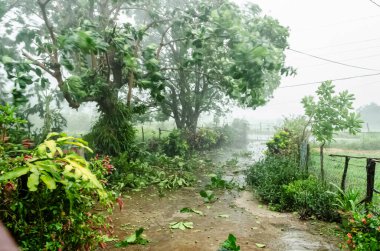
91, 52
215, 52
329, 114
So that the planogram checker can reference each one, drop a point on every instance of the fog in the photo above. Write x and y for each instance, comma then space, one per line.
342, 31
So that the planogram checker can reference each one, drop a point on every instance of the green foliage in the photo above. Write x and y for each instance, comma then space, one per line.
113, 133
361, 230
154, 169
183, 143
208, 196
280, 143
205, 139
331, 113
181, 225
269, 176
135, 238
190, 210
230, 244
220, 54
217, 182
310, 197
47, 197
175, 144
346, 200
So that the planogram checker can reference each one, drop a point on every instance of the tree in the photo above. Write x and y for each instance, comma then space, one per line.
91, 54
331, 113
371, 116
212, 52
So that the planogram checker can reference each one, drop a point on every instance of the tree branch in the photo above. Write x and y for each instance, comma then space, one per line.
37, 63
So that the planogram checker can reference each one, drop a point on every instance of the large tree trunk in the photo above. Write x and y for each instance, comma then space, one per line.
321, 159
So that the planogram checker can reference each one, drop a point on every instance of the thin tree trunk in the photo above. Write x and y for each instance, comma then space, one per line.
321, 158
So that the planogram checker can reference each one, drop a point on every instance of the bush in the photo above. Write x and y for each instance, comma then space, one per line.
268, 177
184, 143
310, 197
206, 139
362, 231
175, 144
153, 169
280, 143
47, 196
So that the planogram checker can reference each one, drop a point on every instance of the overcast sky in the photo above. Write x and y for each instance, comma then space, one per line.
346, 31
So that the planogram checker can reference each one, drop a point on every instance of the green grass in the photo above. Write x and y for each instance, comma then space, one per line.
356, 174
361, 141
152, 131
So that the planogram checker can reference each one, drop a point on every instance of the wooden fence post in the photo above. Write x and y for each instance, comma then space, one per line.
307, 158
371, 167
343, 184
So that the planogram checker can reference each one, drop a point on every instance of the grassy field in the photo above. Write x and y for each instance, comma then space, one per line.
356, 174
361, 141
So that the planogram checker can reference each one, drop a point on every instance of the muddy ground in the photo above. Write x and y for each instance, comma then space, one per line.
235, 212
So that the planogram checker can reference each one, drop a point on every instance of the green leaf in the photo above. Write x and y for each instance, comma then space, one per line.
15, 173
49, 181
135, 238
181, 225
259, 245
190, 210
33, 181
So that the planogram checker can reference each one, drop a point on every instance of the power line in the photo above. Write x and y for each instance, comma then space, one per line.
346, 43
337, 79
332, 61
346, 59
378, 5
338, 52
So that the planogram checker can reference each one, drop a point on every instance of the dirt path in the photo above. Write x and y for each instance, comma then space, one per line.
234, 212
247, 219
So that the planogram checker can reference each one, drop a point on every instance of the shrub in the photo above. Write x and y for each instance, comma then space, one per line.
268, 177
280, 143
310, 197
361, 231
175, 144
150, 169
47, 197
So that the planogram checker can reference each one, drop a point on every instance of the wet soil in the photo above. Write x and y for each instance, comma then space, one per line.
235, 212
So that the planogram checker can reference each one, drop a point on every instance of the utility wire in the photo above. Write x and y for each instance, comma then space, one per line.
337, 79
332, 61
338, 52
346, 59
378, 5
346, 43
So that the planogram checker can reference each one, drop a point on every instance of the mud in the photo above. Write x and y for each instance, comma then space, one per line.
247, 219
235, 212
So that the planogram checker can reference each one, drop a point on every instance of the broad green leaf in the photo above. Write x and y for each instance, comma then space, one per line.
49, 181
15, 173
33, 181
52, 146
